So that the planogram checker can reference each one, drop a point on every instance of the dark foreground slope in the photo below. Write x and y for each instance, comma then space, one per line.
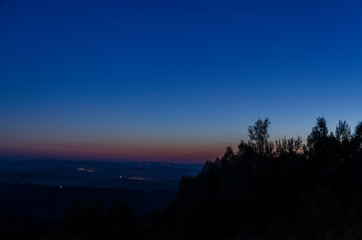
44, 201
31, 211
36, 194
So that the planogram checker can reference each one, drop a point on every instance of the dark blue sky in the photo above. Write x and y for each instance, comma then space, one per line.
175, 80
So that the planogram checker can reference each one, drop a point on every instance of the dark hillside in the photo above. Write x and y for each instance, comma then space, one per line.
273, 190
44, 201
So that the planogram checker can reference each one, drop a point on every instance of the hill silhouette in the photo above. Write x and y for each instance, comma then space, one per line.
282, 189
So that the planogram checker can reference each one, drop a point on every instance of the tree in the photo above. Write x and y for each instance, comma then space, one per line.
358, 131
343, 131
289, 146
258, 138
228, 155
317, 138
357, 137
242, 148
258, 135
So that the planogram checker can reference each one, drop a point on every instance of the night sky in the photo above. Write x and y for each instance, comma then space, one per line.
169, 80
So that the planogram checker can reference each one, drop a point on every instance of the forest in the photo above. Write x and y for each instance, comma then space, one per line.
283, 189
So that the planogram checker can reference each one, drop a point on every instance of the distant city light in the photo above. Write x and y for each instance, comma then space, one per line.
137, 178
85, 170
145, 163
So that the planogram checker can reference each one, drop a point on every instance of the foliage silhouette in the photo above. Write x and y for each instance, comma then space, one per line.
258, 135
292, 191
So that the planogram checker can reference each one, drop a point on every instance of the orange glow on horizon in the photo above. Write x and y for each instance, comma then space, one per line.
133, 151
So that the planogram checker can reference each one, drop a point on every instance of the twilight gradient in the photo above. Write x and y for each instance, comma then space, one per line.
171, 80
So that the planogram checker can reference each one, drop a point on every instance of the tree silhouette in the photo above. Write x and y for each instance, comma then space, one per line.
318, 136
343, 131
258, 135
228, 155
318, 141
258, 139
288, 147
358, 133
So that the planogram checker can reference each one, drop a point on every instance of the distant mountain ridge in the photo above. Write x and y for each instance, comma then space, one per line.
127, 175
